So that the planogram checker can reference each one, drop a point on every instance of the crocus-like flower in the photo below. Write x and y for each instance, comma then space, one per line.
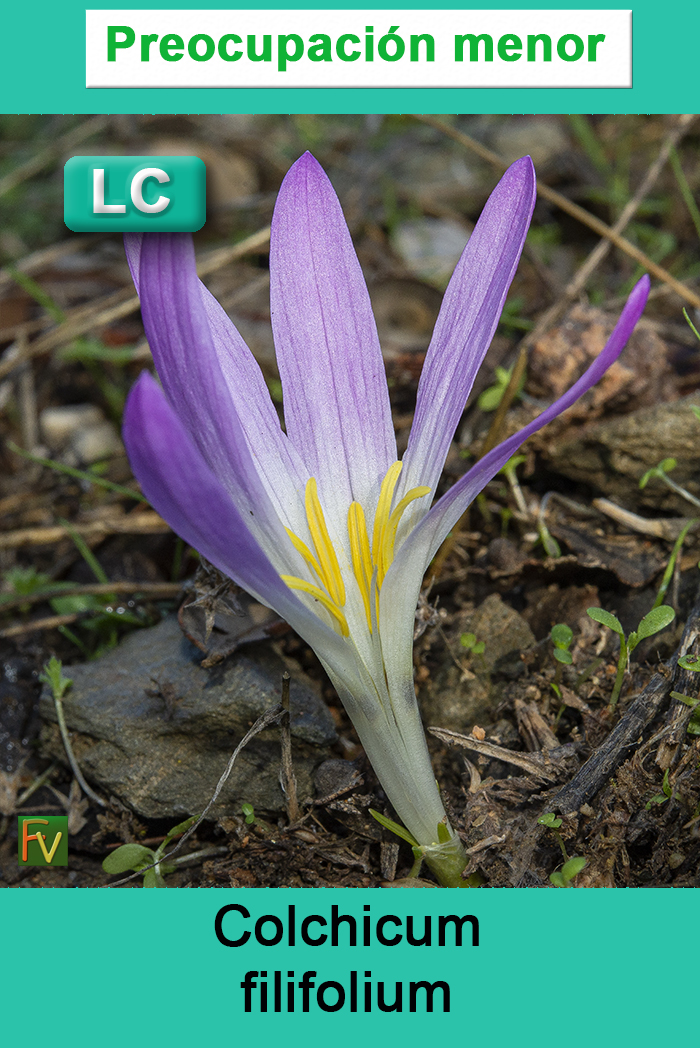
323, 522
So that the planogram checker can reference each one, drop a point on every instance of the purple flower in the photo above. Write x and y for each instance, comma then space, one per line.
323, 523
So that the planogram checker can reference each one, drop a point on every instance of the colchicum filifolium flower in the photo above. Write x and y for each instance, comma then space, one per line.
323, 522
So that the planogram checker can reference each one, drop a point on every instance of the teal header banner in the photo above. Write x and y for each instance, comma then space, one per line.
582, 966
44, 67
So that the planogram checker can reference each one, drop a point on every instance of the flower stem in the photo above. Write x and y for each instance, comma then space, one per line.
447, 862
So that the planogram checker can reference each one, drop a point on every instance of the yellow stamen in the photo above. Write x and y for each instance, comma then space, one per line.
332, 579
306, 553
381, 516
389, 536
317, 593
369, 564
361, 556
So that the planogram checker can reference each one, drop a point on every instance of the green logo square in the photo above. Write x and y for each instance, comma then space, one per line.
42, 840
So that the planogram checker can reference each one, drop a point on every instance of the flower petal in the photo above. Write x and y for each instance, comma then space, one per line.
213, 381
336, 402
179, 484
468, 318
133, 243
401, 586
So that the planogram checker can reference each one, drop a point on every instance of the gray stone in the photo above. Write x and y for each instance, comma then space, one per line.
459, 698
542, 137
80, 433
430, 247
156, 730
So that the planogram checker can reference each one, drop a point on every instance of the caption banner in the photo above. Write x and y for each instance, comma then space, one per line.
374, 49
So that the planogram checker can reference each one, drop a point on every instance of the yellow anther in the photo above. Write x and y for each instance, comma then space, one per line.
361, 556
317, 593
306, 553
381, 516
369, 563
389, 537
328, 561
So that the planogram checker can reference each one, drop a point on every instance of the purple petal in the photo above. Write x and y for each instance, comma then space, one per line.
470, 312
133, 243
336, 402
213, 381
403, 580
179, 484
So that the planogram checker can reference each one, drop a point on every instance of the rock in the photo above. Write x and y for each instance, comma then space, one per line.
459, 698
156, 730
335, 775
405, 311
542, 138
644, 375
436, 176
80, 433
92, 444
60, 424
612, 455
430, 247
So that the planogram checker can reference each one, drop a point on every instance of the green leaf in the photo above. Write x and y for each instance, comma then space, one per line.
153, 879
573, 867
557, 880
182, 827
389, 824
666, 466
127, 857
549, 819
77, 604
687, 662
606, 619
563, 656
249, 812
687, 699
655, 620
467, 640
444, 836
491, 398
53, 676
561, 635
694, 725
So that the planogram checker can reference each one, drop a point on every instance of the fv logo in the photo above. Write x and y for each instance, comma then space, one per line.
42, 840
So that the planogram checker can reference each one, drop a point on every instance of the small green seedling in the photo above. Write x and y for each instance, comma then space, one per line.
249, 812
653, 622
562, 878
687, 662
53, 676
137, 857
665, 795
572, 866
561, 636
673, 560
469, 641
508, 470
661, 472
492, 397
